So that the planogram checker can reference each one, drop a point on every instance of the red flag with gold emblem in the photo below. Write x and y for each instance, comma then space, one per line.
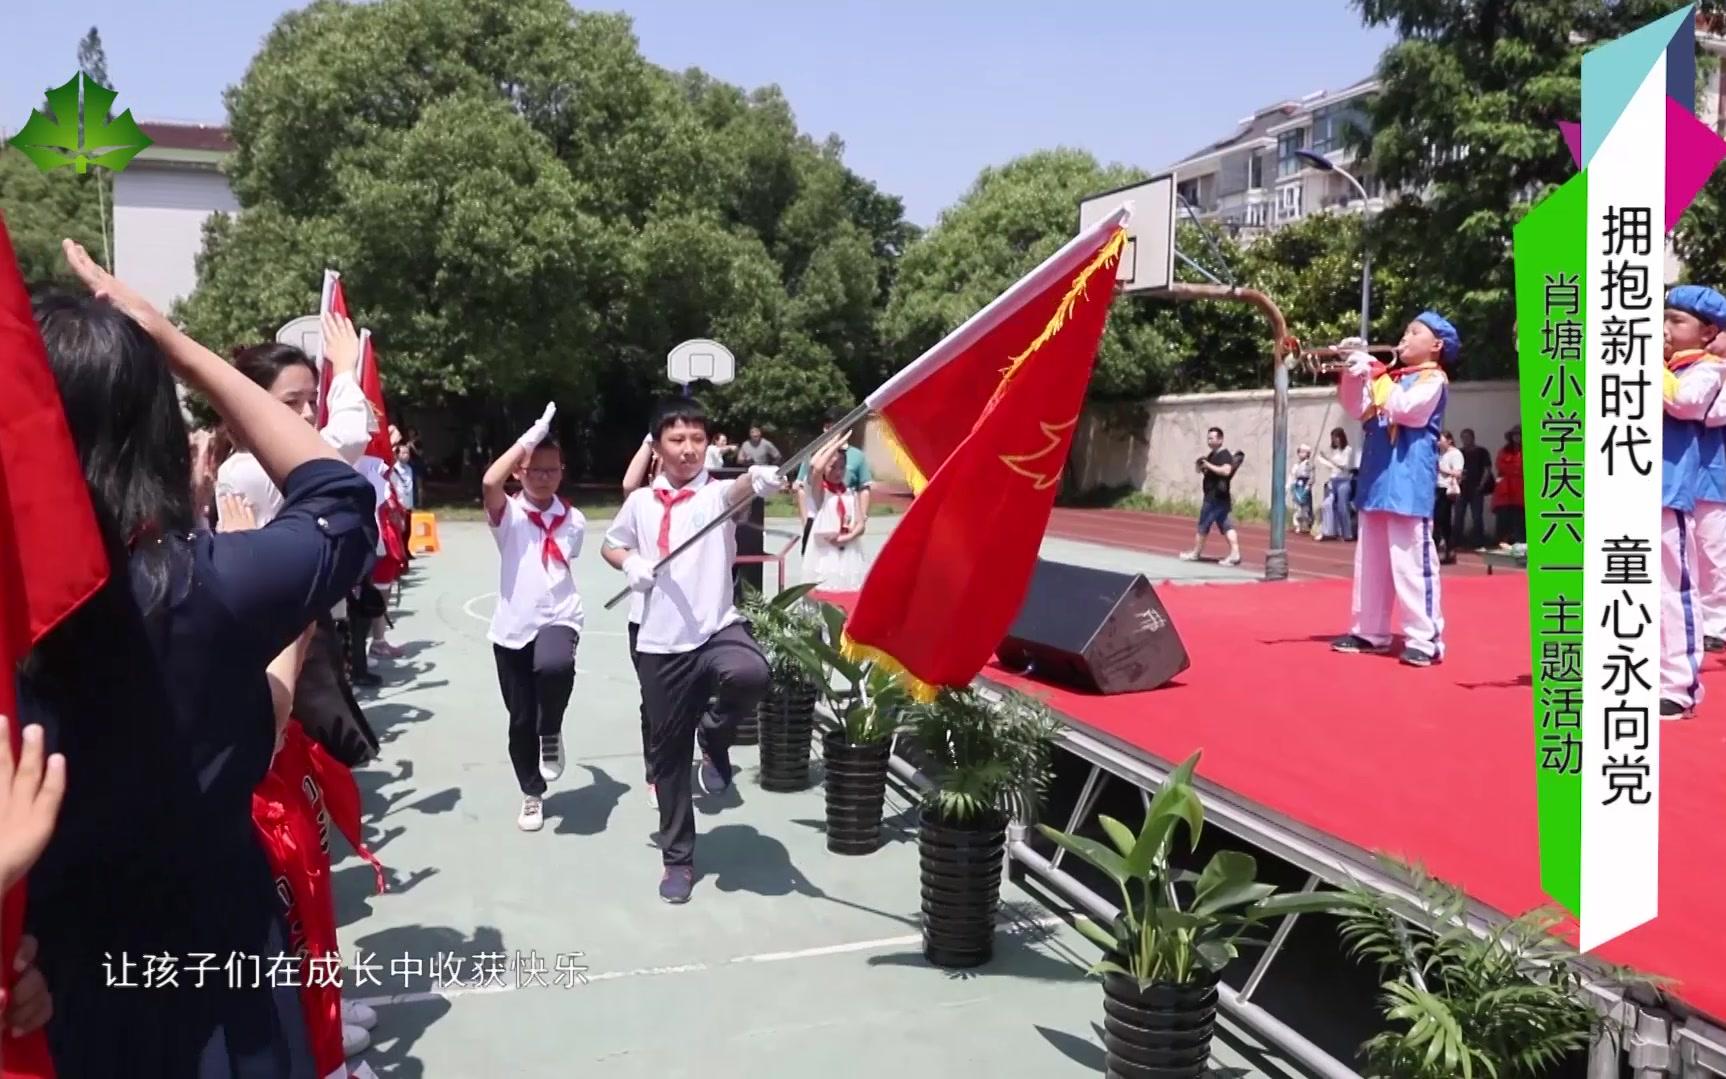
950, 580
926, 410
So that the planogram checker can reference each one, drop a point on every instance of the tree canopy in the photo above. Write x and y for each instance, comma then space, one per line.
523, 207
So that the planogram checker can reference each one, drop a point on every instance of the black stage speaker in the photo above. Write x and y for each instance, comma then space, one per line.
1095, 630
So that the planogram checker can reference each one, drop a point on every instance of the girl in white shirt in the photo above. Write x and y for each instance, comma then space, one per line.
536, 626
835, 559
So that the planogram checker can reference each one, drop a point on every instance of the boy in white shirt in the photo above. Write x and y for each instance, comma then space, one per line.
537, 624
693, 647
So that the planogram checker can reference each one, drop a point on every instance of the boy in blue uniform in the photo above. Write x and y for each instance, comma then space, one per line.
1395, 561
1694, 315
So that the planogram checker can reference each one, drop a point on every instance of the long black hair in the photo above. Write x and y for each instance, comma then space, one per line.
131, 436
264, 363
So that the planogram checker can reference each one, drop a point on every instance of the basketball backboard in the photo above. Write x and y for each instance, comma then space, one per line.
701, 360
1148, 263
305, 333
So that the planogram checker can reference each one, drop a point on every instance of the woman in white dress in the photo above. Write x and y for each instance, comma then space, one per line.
835, 560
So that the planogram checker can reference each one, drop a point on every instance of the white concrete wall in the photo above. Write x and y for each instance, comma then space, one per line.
159, 212
1155, 456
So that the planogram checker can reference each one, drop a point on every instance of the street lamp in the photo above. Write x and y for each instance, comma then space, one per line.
1325, 164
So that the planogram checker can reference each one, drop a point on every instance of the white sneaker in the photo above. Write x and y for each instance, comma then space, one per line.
1188, 556
550, 757
532, 817
354, 1041
1232, 560
355, 1014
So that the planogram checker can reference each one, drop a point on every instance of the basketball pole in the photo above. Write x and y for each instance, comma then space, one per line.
1277, 557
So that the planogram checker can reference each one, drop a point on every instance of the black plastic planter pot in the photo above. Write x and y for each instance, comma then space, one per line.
856, 792
961, 865
1162, 1032
785, 725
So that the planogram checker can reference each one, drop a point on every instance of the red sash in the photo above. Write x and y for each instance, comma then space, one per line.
291, 840
330, 789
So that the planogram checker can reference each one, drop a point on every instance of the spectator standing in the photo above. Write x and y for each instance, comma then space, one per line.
1449, 486
1507, 505
758, 451
1218, 470
1476, 482
1336, 520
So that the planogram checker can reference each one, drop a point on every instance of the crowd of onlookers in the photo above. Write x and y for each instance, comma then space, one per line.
1470, 480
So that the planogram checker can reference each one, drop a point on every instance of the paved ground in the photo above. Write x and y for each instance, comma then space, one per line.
789, 960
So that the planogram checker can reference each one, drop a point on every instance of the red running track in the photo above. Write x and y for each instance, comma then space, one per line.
1433, 766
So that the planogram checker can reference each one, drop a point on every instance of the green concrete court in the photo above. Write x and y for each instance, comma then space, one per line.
788, 960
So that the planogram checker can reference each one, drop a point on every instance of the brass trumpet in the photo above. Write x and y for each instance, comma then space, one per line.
1328, 361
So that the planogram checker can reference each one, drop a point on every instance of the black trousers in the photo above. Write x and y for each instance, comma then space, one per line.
728, 671
536, 680
635, 661
1443, 520
324, 700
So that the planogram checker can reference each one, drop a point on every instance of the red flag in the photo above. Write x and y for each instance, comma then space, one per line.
928, 408
334, 299
334, 794
51, 554
950, 580
372, 382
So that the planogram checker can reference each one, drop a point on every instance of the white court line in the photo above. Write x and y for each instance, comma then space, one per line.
878, 944
467, 609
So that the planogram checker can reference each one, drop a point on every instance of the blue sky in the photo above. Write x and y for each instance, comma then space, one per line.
924, 94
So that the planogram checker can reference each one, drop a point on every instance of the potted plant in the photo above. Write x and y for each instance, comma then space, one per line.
785, 720
1507, 1003
988, 761
866, 707
1176, 931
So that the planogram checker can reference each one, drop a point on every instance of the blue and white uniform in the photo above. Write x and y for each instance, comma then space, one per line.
1395, 559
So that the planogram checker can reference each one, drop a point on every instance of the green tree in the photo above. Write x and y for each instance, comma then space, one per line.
1465, 125
524, 207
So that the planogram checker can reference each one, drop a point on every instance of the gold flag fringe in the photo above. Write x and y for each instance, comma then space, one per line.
858, 652
921, 691
1106, 257
907, 467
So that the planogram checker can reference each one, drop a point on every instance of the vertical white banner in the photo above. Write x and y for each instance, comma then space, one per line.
1622, 520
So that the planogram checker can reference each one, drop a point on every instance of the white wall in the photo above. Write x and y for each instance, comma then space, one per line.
1152, 448
159, 213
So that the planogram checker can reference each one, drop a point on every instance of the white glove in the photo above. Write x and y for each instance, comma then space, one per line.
1359, 364
1351, 344
765, 479
640, 573
540, 430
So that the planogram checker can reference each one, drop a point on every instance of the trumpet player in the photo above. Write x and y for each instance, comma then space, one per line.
1401, 409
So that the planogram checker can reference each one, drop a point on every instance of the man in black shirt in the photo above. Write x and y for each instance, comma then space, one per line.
1218, 469
1471, 498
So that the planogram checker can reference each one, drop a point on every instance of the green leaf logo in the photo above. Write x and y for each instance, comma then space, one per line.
54, 143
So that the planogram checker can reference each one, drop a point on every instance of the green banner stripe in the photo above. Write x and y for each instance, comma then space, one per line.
1551, 297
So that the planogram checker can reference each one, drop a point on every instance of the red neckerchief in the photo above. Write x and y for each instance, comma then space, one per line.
837, 490
549, 550
1681, 360
669, 498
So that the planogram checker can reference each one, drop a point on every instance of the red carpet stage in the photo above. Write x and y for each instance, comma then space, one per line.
1433, 766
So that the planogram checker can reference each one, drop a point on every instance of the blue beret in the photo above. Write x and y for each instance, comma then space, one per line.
1445, 332
1701, 301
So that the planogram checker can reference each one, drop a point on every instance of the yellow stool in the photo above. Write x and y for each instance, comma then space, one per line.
422, 534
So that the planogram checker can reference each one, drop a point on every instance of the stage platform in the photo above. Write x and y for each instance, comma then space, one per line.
1335, 760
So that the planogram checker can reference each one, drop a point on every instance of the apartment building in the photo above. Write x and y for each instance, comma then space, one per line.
161, 202
1255, 179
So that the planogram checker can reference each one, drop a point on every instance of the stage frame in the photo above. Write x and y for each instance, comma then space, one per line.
1659, 1041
